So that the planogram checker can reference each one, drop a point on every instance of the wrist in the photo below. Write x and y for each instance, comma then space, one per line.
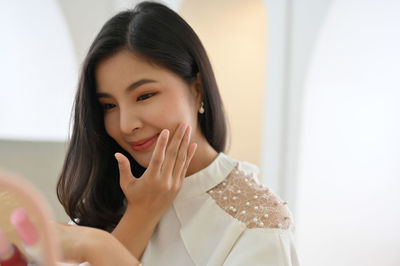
135, 229
137, 213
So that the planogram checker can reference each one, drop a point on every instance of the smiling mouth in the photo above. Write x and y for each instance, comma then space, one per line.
144, 145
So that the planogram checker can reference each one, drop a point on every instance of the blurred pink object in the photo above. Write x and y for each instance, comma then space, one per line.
46, 251
26, 230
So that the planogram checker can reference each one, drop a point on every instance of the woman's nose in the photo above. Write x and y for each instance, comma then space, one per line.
129, 121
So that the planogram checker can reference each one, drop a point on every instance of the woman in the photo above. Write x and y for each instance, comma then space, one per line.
148, 98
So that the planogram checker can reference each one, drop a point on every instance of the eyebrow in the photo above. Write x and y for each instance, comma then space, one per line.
130, 88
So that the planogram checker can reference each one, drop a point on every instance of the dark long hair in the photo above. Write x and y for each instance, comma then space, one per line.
88, 186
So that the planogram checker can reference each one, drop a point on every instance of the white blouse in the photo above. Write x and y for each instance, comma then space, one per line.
223, 216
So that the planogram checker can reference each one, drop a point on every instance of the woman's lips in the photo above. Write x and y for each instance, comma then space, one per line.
143, 144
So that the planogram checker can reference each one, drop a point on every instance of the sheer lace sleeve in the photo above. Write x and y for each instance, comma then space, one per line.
245, 199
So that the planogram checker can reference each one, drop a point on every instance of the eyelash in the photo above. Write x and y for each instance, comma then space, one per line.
142, 97
107, 106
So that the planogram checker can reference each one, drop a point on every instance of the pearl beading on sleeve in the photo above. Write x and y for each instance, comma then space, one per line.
245, 199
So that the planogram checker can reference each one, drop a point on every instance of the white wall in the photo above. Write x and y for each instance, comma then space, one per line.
292, 29
38, 71
349, 172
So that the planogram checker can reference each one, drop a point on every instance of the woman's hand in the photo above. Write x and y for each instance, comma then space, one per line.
157, 188
150, 196
80, 244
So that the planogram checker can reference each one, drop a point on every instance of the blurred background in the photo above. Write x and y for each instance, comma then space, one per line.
311, 89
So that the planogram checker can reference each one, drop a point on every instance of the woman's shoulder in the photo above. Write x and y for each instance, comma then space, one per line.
243, 197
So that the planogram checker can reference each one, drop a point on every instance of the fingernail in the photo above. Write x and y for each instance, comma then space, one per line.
165, 133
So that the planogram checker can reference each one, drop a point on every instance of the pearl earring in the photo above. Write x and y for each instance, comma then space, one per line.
201, 110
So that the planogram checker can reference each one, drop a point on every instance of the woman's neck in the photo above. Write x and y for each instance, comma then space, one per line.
203, 157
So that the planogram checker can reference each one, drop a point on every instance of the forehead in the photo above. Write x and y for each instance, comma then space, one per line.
125, 67
121, 67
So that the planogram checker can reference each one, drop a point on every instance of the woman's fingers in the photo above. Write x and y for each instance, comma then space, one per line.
169, 161
182, 155
125, 173
191, 152
173, 148
158, 156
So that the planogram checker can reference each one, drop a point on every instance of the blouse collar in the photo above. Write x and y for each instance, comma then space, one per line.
207, 178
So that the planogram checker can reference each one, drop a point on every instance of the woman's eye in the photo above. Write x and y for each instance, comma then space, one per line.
145, 96
107, 106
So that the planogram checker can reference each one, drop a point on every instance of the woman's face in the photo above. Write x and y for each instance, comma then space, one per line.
140, 100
